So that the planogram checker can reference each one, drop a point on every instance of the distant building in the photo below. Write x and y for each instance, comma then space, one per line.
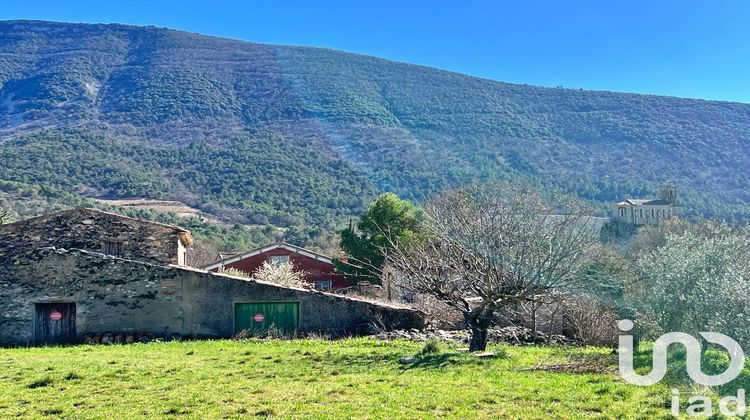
319, 268
648, 211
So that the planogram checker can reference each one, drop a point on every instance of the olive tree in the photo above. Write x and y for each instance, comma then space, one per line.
697, 279
486, 248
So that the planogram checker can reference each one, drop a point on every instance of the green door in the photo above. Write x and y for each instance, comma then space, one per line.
257, 317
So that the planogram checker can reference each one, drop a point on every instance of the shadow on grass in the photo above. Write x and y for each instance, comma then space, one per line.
367, 360
437, 361
428, 361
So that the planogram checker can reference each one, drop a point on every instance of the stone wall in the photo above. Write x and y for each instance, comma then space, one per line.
117, 295
97, 231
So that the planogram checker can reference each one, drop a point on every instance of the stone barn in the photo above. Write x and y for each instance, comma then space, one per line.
58, 282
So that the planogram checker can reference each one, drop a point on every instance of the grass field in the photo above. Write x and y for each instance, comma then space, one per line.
347, 378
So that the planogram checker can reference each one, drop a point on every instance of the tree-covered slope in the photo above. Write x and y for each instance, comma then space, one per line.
303, 136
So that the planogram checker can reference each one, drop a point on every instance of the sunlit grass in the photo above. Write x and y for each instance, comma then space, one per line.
713, 361
352, 378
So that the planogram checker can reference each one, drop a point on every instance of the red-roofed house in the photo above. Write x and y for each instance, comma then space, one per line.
319, 268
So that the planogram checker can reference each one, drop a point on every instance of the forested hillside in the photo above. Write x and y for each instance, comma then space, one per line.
304, 137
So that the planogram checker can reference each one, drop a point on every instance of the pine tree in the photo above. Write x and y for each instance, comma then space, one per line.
365, 244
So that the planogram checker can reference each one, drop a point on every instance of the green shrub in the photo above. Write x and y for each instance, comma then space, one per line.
431, 346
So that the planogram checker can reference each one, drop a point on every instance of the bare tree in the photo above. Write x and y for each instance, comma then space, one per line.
489, 247
594, 321
282, 274
539, 313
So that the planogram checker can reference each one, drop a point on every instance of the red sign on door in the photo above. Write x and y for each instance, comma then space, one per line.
259, 317
55, 315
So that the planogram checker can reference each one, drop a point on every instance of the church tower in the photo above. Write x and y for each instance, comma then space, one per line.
668, 192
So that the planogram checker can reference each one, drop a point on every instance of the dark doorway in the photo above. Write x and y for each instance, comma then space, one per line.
54, 323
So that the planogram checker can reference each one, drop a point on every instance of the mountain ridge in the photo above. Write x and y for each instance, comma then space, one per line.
305, 136
365, 55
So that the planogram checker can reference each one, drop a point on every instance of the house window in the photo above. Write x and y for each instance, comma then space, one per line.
278, 260
652, 212
323, 284
622, 212
641, 212
113, 248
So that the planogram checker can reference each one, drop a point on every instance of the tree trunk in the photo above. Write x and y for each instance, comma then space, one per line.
479, 321
478, 339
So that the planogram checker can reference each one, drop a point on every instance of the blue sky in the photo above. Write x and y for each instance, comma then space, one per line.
682, 48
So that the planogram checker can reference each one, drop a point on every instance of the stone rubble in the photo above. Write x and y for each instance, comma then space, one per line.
126, 338
512, 335
509, 335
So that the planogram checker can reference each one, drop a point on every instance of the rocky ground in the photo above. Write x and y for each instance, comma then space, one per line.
510, 335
